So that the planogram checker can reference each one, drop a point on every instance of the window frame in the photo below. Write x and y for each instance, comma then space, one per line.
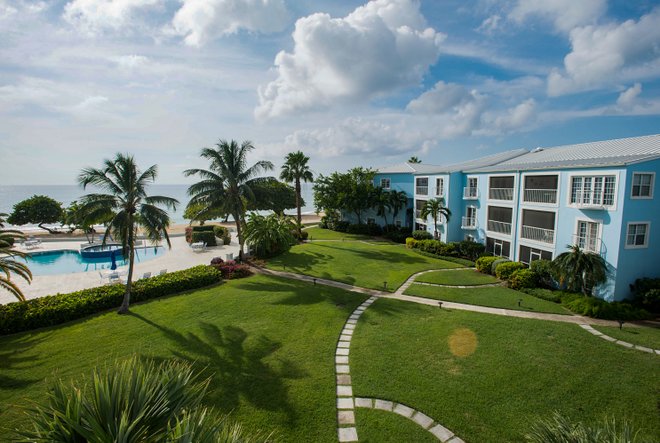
593, 175
632, 185
599, 235
389, 183
646, 235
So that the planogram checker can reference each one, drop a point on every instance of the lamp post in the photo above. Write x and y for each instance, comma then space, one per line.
440, 304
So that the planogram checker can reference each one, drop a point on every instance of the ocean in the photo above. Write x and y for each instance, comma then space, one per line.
65, 194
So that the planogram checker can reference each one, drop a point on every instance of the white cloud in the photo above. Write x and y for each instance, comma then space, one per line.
444, 97
380, 47
90, 103
490, 24
603, 55
628, 97
94, 16
201, 20
511, 119
564, 14
130, 62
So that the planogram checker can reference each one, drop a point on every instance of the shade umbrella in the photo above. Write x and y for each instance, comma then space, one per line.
113, 266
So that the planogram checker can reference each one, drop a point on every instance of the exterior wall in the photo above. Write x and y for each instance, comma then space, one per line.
478, 233
454, 201
398, 182
433, 192
513, 204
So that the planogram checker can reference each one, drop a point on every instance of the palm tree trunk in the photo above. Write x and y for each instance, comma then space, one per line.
298, 207
435, 227
123, 309
239, 234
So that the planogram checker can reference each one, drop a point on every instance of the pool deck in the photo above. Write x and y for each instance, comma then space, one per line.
181, 256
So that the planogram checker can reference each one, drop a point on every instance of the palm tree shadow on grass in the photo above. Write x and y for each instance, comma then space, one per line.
15, 355
236, 366
378, 254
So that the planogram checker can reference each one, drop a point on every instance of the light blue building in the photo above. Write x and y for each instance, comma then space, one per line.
527, 205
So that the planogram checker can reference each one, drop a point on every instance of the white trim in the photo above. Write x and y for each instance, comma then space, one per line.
541, 205
646, 237
632, 183
511, 202
602, 173
599, 236
488, 231
520, 222
428, 188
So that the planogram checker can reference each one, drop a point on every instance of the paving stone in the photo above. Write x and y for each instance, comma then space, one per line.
404, 410
624, 343
642, 348
364, 402
344, 344
341, 359
351, 322
346, 417
344, 379
441, 432
608, 338
455, 440
595, 332
344, 391
343, 369
354, 317
657, 351
345, 403
345, 337
349, 325
347, 434
342, 351
587, 327
422, 419
347, 332
383, 404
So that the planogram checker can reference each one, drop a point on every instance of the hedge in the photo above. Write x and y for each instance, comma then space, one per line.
504, 270
207, 237
422, 235
223, 233
61, 308
459, 261
496, 263
484, 264
523, 278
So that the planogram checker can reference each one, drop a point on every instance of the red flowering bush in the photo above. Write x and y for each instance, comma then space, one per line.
230, 269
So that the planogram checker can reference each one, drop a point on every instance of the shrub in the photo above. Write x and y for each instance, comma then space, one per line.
598, 308
231, 270
410, 243
496, 263
304, 235
484, 264
189, 234
457, 260
341, 226
523, 278
559, 428
471, 249
422, 235
545, 272
61, 308
204, 228
329, 221
207, 237
504, 270
222, 233
647, 293
398, 236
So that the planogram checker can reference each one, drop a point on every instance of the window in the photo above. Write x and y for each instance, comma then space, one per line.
422, 186
500, 248
593, 190
587, 236
469, 237
642, 185
385, 183
439, 186
528, 255
638, 235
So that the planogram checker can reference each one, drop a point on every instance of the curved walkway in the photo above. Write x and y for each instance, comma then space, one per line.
625, 344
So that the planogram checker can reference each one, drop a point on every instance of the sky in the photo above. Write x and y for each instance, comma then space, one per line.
350, 83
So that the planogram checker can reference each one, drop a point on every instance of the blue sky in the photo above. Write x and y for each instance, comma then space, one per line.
348, 82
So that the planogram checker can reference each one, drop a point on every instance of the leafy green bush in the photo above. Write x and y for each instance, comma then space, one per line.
647, 293
410, 243
396, 234
504, 270
422, 235
341, 226
544, 294
523, 278
61, 308
329, 221
598, 308
496, 263
304, 235
485, 263
545, 271
365, 229
204, 228
207, 237
471, 249
222, 233
457, 260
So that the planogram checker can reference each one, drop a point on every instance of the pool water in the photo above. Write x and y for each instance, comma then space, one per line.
67, 262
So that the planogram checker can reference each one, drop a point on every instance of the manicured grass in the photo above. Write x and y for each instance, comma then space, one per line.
488, 378
328, 234
357, 263
376, 426
643, 336
493, 296
267, 344
459, 277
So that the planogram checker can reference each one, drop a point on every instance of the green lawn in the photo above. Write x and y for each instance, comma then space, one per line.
643, 336
376, 426
460, 277
357, 263
328, 234
488, 378
268, 344
493, 296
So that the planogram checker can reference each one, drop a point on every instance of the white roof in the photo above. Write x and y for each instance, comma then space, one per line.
421, 168
399, 168
617, 152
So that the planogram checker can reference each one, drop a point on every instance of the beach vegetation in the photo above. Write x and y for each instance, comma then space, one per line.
38, 210
272, 195
296, 170
352, 192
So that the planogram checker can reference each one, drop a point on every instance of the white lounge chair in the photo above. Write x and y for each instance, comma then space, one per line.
114, 278
146, 275
198, 247
162, 272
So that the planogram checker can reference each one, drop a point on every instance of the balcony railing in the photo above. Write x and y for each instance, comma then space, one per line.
470, 193
589, 243
538, 234
500, 193
499, 227
540, 195
422, 190
469, 223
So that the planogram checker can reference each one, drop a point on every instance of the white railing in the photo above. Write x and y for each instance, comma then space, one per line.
588, 243
538, 234
469, 223
470, 193
499, 227
500, 193
540, 195
422, 190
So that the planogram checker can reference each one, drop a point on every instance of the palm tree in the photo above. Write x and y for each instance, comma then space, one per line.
414, 159
579, 270
398, 201
227, 182
435, 208
8, 264
383, 204
269, 234
127, 207
295, 169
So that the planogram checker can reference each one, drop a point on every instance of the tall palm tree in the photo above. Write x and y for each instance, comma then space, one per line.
435, 208
8, 264
383, 204
295, 169
579, 270
127, 207
398, 201
227, 183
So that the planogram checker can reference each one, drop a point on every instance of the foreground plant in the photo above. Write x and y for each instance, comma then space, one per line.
8, 263
133, 401
580, 271
559, 429
271, 234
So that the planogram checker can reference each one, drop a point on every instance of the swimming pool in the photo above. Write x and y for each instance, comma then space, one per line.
68, 262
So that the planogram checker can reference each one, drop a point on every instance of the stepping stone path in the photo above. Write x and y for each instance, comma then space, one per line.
346, 403
597, 333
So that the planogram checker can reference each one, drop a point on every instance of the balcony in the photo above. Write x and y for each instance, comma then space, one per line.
422, 190
589, 243
538, 234
469, 223
470, 193
500, 194
540, 195
499, 227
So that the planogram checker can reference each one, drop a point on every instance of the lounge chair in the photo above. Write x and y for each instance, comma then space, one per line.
114, 278
162, 272
198, 247
146, 275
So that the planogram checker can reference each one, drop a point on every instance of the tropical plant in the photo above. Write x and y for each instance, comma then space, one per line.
127, 207
8, 263
559, 429
383, 204
269, 234
398, 201
130, 401
38, 210
580, 271
200, 213
228, 182
273, 195
414, 159
294, 170
353, 191
435, 209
